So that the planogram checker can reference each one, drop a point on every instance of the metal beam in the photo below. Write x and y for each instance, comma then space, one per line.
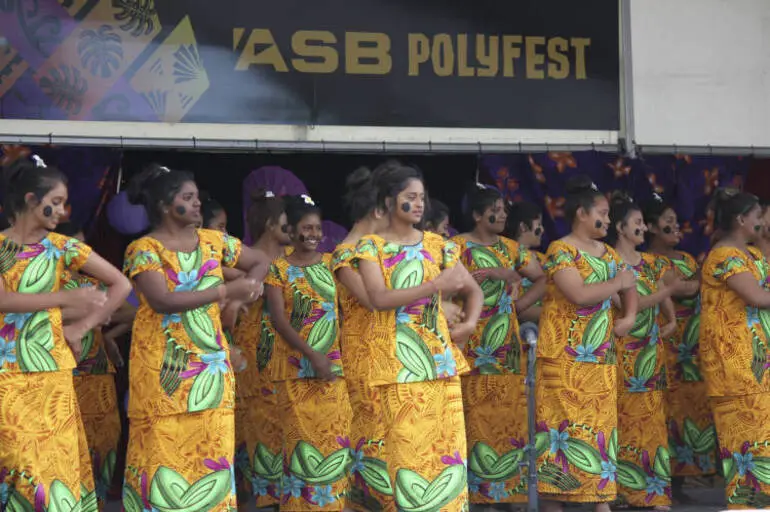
285, 138
627, 121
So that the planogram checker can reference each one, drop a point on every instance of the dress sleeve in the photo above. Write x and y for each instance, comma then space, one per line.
76, 254
450, 254
662, 267
522, 257
141, 256
343, 257
274, 277
367, 250
728, 262
231, 250
559, 256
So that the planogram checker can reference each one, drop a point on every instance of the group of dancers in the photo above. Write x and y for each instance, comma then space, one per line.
389, 375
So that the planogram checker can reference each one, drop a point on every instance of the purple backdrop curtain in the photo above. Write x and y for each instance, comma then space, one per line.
686, 182
91, 173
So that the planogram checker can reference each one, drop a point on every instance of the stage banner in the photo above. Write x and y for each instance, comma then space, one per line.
533, 64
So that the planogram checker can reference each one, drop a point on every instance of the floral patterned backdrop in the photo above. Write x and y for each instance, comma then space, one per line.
686, 182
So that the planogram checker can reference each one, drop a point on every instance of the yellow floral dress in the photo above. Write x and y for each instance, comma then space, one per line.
370, 485
44, 460
644, 471
691, 431
576, 384
315, 415
734, 360
257, 429
98, 399
181, 385
494, 395
408, 353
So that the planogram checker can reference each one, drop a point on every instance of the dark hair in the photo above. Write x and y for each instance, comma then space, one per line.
298, 208
653, 211
522, 212
23, 177
729, 204
263, 209
210, 207
361, 196
156, 187
436, 213
581, 193
479, 198
621, 206
764, 203
390, 178
68, 228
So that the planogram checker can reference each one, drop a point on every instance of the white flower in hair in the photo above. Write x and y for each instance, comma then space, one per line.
269, 193
38, 161
307, 200
164, 168
481, 186
657, 197
594, 187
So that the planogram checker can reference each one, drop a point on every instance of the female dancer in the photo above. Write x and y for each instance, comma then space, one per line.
735, 331
576, 379
411, 350
494, 395
370, 486
181, 394
642, 434
213, 214
437, 218
525, 223
691, 433
314, 409
44, 461
257, 429
95, 385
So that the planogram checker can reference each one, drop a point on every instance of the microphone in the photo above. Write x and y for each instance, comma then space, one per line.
528, 331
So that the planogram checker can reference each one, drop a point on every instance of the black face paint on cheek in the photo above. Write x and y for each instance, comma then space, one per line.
538, 231
301, 238
637, 232
757, 228
492, 219
285, 228
405, 207
598, 224
667, 230
47, 211
180, 210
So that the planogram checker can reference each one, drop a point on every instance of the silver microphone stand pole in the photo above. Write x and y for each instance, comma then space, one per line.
528, 332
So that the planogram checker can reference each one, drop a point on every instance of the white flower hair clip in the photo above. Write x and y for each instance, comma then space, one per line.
481, 186
594, 187
657, 197
38, 161
307, 200
164, 168
269, 193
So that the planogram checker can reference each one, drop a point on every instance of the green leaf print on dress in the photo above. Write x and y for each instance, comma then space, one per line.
416, 494
40, 274
411, 351
321, 281
189, 261
268, 465
34, 344
375, 474
309, 464
200, 328
486, 464
600, 271
207, 389
492, 288
170, 492
407, 274
322, 334
645, 319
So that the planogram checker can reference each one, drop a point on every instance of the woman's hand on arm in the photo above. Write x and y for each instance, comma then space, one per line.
534, 272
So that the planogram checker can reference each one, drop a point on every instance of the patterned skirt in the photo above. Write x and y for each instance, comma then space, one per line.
98, 402
496, 426
691, 431
577, 421
743, 429
644, 471
259, 461
370, 486
426, 445
44, 459
183, 461
317, 453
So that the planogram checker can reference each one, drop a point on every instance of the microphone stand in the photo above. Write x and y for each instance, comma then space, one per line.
529, 333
